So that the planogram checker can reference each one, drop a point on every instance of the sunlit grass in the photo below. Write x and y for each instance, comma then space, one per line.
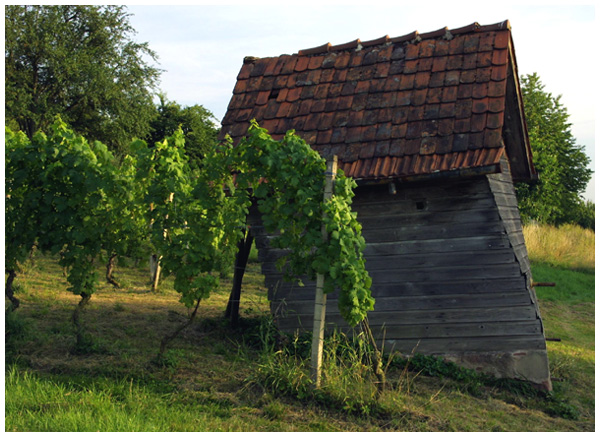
204, 383
568, 246
36, 404
571, 286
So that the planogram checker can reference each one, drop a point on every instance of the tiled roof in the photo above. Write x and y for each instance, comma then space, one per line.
392, 107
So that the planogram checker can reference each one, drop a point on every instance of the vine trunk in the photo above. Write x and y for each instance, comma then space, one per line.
241, 260
110, 268
76, 318
377, 360
9, 292
170, 337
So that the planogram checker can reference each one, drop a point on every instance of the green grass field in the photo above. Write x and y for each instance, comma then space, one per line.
215, 378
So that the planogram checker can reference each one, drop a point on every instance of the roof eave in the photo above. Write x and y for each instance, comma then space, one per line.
459, 173
518, 147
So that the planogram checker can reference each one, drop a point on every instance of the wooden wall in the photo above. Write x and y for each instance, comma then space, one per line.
449, 267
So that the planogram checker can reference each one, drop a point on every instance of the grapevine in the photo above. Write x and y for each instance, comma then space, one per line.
69, 196
195, 223
62, 184
21, 214
287, 179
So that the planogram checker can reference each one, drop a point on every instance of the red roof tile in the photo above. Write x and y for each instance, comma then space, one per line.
390, 107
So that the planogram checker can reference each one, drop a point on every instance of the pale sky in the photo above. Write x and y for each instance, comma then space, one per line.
201, 47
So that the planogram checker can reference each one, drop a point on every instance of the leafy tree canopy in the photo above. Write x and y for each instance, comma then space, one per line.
80, 62
197, 123
562, 165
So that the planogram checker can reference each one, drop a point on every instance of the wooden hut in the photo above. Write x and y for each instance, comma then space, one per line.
432, 128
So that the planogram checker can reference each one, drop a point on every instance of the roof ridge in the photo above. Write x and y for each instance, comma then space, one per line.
415, 36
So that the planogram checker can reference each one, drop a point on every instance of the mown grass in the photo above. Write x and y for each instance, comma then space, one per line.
252, 379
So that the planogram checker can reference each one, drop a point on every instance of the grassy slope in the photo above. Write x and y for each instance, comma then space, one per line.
204, 386
566, 256
568, 312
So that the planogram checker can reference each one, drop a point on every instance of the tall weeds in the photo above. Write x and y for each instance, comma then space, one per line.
568, 246
349, 383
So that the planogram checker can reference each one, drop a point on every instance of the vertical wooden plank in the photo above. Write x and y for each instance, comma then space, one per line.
320, 297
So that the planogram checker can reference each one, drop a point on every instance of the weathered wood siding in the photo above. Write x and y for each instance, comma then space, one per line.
504, 192
449, 267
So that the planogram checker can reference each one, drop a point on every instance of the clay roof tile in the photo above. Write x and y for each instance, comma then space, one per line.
346, 46
406, 38
388, 107
315, 50
376, 42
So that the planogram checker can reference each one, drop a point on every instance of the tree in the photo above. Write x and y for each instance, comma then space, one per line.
585, 215
561, 163
197, 123
79, 62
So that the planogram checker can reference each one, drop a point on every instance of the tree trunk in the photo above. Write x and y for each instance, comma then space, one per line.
241, 260
79, 331
9, 292
377, 360
110, 267
170, 337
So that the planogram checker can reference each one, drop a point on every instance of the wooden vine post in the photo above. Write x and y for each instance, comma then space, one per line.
155, 259
320, 296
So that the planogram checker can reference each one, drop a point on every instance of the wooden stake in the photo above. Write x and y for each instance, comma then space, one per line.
155, 268
156, 276
320, 297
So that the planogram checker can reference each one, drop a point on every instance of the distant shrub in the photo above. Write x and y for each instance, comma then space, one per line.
585, 215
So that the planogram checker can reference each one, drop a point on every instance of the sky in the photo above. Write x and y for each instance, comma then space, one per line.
201, 47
